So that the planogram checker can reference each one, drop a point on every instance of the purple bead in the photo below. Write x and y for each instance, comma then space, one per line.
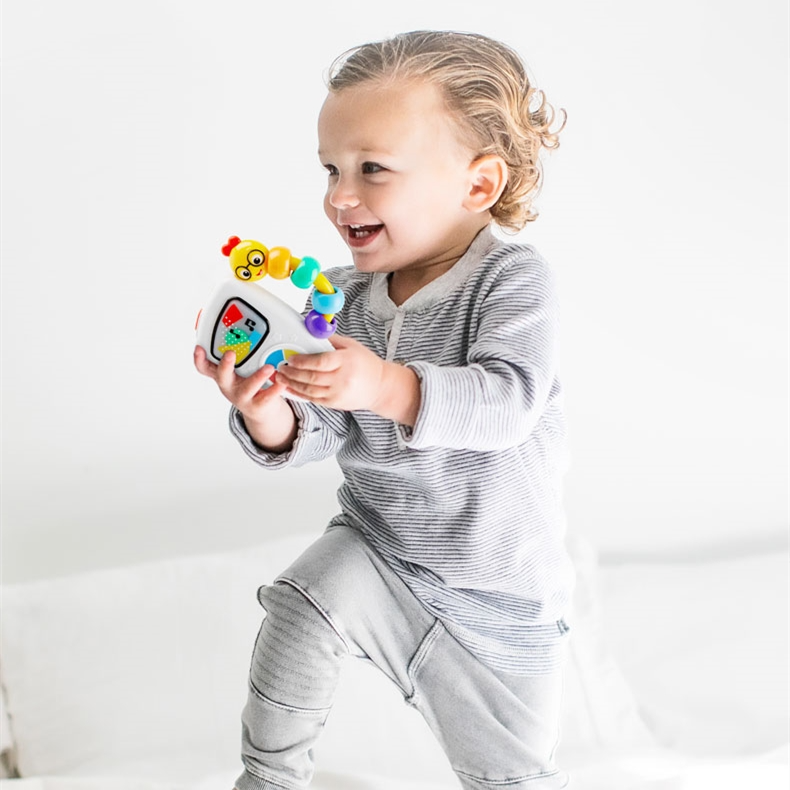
318, 327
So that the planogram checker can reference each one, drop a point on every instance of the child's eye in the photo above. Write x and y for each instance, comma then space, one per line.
368, 168
331, 169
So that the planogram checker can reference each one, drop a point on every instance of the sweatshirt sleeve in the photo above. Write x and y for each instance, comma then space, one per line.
320, 434
495, 400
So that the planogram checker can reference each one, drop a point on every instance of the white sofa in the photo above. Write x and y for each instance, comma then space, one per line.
133, 679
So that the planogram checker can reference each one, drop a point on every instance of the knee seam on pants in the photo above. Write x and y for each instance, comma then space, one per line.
419, 658
289, 708
296, 586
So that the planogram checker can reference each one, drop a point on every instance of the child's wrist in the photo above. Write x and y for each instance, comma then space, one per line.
401, 394
274, 434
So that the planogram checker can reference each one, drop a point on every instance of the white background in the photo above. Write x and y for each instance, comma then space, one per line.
137, 136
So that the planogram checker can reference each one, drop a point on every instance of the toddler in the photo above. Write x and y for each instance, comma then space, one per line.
446, 565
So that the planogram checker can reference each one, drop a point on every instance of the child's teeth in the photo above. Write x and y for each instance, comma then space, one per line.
360, 231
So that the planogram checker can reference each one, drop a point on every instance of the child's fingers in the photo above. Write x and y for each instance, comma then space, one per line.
277, 388
240, 391
314, 385
202, 364
324, 361
311, 392
341, 341
235, 388
225, 373
246, 389
293, 376
254, 382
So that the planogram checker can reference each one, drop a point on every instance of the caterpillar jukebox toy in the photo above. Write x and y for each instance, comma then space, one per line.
242, 316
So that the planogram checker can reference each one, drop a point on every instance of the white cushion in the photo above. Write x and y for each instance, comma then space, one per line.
704, 646
142, 671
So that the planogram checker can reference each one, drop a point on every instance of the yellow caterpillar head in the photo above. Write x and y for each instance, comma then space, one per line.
248, 258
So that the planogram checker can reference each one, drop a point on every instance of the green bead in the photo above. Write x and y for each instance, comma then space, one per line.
303, 276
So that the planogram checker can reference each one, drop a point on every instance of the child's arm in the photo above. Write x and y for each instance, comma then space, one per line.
491, 401
268, 418
509, 380
352, 378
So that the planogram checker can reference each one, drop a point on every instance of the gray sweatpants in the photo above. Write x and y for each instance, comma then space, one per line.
341, 598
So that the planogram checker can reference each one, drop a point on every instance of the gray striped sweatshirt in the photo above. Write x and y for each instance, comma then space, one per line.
466, 506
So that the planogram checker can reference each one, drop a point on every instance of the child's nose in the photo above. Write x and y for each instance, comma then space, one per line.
343, 194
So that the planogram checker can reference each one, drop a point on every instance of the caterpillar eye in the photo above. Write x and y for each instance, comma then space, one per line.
243, 273
256, 258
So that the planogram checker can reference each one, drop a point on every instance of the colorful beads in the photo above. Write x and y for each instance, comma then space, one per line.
303, 276
328, 304
318, 326
279, 265
250, 260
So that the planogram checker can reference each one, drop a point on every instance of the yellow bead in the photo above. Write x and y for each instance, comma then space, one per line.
279, 264
323, 285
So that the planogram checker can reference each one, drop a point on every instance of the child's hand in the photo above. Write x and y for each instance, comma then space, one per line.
352, 377
349, 378
267, 417
244, 393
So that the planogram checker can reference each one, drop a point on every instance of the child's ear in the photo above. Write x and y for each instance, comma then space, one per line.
487, 180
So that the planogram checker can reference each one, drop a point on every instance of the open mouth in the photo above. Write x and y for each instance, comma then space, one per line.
361, 233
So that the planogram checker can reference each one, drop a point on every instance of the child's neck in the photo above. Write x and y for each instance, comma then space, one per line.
404, 283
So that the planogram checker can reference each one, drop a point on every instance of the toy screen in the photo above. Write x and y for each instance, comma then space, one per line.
240, 328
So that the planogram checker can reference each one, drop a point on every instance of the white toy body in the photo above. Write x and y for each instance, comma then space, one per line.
260, 327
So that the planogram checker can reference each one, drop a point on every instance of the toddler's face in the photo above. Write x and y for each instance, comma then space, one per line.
398, 176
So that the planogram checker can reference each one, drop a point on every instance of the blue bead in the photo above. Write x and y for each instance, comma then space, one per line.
328, 304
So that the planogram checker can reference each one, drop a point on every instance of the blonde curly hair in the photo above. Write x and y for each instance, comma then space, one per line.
488, 94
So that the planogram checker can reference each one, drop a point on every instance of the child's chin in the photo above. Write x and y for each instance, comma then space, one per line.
364, 259
365, 263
